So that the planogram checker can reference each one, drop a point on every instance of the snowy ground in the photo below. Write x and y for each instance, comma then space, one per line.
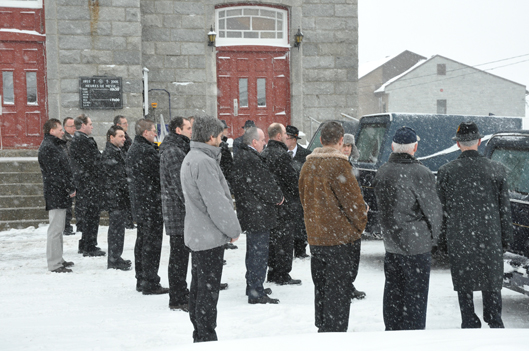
96, 308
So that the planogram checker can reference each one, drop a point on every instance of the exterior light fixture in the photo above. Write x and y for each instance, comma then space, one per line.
211, 38
298, 39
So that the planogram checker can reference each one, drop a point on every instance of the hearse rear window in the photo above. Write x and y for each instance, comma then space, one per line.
517, 164
370, 141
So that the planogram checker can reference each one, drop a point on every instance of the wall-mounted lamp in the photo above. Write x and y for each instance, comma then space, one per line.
298, 39
211, 38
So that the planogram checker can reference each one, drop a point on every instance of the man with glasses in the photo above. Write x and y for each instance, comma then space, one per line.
143, 170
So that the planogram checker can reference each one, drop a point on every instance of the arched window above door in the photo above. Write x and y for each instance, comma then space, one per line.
252, 25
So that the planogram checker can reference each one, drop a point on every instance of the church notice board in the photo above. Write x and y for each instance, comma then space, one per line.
100, 93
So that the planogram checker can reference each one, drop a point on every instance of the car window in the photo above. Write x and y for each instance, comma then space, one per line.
315, 140
517, 164
369, 142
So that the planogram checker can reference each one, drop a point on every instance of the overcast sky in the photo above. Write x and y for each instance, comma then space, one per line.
473, 32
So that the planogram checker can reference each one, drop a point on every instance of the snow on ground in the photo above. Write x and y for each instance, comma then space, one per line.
96, 308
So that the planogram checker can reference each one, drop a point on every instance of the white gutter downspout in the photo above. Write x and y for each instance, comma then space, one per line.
145, 91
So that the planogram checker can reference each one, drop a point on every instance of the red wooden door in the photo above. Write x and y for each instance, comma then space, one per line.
22, 76
23, 93
253, 85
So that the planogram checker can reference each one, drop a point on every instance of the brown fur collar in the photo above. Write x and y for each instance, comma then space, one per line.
326, 152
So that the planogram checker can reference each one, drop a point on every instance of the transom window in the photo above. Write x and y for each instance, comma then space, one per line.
35, 4
251, 25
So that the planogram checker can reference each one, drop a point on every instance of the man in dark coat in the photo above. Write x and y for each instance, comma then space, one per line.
173, 150
256, 195
281, 248
86, 164
410, 219
122, 122
478, 226
143, 170
115, 196
58, 189
69, 130
238, 141
299, 156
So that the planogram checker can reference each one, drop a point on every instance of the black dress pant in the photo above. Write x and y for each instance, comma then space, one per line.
281, 251
357, 246
331, 269
116, 234
147, 253
177, 270
256, 261
300, 243
206, 271
406, 291
87, 208
492, 306
69, 215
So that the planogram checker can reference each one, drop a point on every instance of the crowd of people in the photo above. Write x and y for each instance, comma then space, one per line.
282, 197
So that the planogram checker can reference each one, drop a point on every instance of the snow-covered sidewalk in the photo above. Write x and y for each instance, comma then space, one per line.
96, 308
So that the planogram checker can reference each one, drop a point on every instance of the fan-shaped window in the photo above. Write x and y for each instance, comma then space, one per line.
251, 25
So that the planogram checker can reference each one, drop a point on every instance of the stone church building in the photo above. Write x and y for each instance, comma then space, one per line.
61, 58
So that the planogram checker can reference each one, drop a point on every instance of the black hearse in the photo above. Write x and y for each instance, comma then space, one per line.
375, 133
512, 149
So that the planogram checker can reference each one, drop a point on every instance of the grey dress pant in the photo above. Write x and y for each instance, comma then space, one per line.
54, 242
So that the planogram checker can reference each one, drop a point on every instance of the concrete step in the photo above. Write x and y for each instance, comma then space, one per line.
6, 225
16, 201
21, 189
23, 164
19, 153
17, 177
25, 213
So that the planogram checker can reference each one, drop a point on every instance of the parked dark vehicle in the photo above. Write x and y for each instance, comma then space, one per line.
436, 147
350, 126
512, 149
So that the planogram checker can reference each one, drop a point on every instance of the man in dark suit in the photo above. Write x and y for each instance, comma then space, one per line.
69, 130
299, 156
173, 150
279, 163
122, 122
143, 170
86, 164
115, 196
58, 189
256, 195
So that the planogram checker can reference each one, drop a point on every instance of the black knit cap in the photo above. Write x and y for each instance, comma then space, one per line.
467, 131
249, 124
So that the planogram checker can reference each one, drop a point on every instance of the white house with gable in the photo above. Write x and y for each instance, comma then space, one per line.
444, 86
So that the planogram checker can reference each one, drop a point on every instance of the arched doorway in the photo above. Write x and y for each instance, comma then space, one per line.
253, 71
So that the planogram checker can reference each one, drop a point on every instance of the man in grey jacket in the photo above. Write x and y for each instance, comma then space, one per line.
410, 217
210, 223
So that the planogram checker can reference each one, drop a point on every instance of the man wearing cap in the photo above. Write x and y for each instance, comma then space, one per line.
238, 141
478, 226
410, 220
299, 156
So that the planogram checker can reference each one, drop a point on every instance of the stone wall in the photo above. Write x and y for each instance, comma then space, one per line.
93, 38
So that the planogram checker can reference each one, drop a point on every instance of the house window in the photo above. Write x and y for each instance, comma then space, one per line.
251, 25
441, 69
441, 107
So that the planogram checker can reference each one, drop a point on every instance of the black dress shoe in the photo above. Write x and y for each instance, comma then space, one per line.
183, 307
94, 253
230, 246
68, 232
302, 256
357, 294
159, 290
138, 286
67, 264
268, 291
122, 266
62, 270
263, 300
223, 286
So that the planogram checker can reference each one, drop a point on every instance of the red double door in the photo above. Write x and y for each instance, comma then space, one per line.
22, 78
253, 85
